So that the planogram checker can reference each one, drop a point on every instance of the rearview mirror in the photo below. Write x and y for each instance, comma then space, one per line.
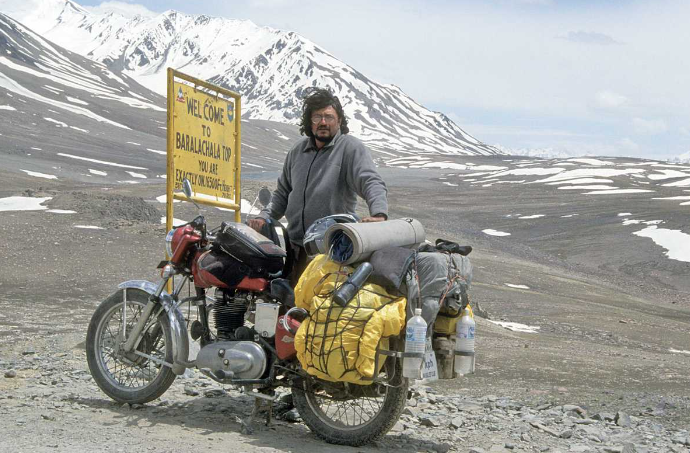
187, 187
187, 190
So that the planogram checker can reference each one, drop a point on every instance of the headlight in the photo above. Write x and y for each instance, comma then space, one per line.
168, 242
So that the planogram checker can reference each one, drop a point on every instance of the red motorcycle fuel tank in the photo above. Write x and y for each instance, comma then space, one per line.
202, 277
285, 341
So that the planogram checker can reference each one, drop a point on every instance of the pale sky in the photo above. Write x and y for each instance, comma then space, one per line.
587, 77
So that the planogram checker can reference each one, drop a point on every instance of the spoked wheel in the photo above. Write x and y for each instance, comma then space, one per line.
129, 377
349, 414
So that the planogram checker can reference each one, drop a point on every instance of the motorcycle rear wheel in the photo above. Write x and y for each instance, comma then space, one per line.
129, 378
351, 421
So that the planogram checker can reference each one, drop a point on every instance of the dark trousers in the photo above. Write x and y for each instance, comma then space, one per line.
299, 264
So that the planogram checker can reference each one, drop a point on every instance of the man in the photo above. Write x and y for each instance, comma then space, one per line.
323, 174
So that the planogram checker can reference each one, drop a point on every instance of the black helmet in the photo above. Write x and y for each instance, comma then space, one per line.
313, 241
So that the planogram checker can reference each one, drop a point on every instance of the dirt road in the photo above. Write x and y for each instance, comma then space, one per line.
599, 375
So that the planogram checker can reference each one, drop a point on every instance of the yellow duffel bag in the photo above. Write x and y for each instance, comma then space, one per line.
339, 344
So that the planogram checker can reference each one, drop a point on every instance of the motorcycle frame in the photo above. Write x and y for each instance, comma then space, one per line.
180, 342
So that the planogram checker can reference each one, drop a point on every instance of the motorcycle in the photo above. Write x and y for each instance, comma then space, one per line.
138, 340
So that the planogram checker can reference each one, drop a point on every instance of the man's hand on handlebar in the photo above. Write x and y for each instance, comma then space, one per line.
378, 218
256, 223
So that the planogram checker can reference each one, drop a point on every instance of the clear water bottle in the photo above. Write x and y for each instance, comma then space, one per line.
415, 345
464, 344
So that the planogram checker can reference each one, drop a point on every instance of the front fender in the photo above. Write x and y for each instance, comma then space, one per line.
178, 325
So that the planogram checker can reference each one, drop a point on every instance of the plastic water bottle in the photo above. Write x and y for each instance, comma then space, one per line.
464, 344
415, 343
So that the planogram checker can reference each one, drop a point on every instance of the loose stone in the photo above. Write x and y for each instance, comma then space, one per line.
567, 434
622, 419
191, 391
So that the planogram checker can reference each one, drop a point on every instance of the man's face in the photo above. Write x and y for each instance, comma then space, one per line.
324, 124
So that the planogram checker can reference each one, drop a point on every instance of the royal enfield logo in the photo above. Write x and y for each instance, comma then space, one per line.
180, 95
231, 111
287, 339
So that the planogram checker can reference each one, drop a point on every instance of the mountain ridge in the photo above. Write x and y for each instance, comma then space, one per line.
269, 67
69, 117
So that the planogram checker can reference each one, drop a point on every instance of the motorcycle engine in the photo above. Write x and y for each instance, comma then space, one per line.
228, 312
234, 354
235, 359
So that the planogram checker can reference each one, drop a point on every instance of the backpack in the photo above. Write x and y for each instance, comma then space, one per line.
438, 281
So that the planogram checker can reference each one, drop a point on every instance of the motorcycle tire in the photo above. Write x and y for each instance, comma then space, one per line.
128, 379
328, 424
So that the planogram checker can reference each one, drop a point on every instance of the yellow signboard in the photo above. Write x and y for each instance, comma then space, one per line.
204, 127
203, 142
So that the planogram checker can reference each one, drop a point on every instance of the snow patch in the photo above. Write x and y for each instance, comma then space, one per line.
175, 222
676, 243
76, 101
595, 162
491, 232
104, 162
594, 187
681, 183
58, 123
23, 204
681, 197
616, 191
516, 327
39, 175
510, 285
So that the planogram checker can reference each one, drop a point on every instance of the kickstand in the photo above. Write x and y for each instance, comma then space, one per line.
259, 402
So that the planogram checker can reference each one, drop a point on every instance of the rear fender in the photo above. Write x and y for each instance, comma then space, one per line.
178, 326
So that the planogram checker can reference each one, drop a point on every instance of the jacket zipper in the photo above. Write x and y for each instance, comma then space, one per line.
304, 195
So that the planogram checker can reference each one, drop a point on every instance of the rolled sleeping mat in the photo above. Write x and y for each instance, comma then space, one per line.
349, 243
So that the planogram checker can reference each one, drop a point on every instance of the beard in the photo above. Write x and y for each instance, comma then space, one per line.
324, 139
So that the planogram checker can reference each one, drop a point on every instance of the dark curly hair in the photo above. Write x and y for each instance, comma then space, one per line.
317, 99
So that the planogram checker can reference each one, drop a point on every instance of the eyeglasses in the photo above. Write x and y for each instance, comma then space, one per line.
316, 119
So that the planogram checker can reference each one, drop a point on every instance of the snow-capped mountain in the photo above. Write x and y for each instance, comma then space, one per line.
543, 153
269, 67
682, 158
65, 116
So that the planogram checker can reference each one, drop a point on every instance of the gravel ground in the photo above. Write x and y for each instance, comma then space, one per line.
599, 376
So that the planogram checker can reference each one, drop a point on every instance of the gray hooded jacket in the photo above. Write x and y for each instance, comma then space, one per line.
317, 183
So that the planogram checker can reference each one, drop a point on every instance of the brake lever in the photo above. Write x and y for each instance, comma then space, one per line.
199, 223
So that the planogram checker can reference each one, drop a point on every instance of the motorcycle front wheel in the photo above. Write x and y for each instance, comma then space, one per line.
129, 377
348, 414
